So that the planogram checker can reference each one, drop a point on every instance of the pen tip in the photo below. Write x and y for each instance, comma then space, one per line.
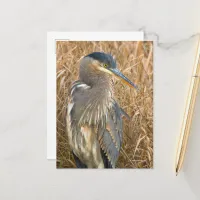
176, 171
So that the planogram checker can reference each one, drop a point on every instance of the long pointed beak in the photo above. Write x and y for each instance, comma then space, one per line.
119, 75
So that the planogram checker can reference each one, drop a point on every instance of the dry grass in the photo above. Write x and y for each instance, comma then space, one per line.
135, 60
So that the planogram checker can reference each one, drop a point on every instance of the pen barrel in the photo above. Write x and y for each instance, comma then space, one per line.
189, 110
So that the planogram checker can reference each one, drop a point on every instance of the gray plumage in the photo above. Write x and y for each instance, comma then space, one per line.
94, 119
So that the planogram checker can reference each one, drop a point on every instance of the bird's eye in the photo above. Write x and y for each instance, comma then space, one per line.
105, 65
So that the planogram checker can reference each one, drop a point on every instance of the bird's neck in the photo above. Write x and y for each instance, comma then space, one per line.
101, 85
100, 99
103, 91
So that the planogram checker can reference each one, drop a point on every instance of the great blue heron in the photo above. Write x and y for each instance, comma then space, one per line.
94, 118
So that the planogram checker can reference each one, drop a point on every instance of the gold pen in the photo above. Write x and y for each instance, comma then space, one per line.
189, 109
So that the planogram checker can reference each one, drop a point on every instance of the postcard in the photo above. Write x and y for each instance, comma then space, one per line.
104, 104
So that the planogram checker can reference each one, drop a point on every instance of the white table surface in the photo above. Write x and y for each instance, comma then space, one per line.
25, 173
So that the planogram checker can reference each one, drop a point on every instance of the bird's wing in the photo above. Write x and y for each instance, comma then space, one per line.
110, 137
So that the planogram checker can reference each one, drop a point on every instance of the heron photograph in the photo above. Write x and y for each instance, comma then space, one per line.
104, 99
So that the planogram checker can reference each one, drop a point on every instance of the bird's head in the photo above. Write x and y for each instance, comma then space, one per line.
99, 62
